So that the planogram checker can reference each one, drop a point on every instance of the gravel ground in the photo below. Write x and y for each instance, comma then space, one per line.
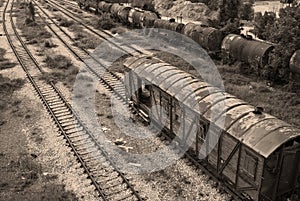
51, 169
178, 181
35, 162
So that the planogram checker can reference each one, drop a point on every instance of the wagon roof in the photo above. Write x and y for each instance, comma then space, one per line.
261, 132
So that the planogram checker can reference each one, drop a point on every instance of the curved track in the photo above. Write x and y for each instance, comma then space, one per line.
110, 183
102, 34
164, 137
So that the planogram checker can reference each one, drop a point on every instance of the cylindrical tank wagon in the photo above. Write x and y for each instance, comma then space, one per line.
209, 38
253, 53
123, 14
115, 8
173, 26
135, 17
104, 6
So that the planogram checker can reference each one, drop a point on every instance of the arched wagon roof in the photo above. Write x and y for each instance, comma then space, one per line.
261, 132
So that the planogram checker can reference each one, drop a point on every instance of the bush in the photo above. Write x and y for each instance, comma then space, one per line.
106, 22
58, 62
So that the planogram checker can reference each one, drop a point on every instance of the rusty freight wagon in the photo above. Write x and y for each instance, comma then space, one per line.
256, 155
251, 52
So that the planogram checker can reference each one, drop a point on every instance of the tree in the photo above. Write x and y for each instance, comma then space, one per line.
246, 11
263, 24
286, 34
229, 10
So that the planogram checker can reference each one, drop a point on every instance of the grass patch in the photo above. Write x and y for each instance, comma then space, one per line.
282, 102
5, 63
64, 22
58, 62
86, 41
34, 32
7, 87
48, 43
104, 21
76, 28
62, 70
2, 53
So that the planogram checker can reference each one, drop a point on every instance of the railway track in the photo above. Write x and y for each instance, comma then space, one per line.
109, 182
90, 62
81, 141
190, 159
101, 33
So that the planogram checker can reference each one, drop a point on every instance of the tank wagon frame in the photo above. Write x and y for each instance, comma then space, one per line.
257, 155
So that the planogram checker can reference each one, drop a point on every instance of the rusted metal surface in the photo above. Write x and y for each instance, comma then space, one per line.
261, 132
250, 51
149, 19
164, 24
105, 7
188, 29
135, 17
295, 62
123, 14
115, 8
208, 37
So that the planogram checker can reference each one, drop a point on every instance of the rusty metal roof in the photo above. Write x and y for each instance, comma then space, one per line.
261, 132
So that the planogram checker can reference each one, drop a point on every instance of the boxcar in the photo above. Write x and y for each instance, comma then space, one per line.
295, 66
257, 155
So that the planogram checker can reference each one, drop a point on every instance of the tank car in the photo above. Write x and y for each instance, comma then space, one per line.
295, 66
173, 26
209, 38
136, 18
254, 53
104, 6
123, 14
115, 9
93, 4
149, 19
188, 29
256, 155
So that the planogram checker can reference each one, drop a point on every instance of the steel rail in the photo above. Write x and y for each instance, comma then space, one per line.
60, 98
